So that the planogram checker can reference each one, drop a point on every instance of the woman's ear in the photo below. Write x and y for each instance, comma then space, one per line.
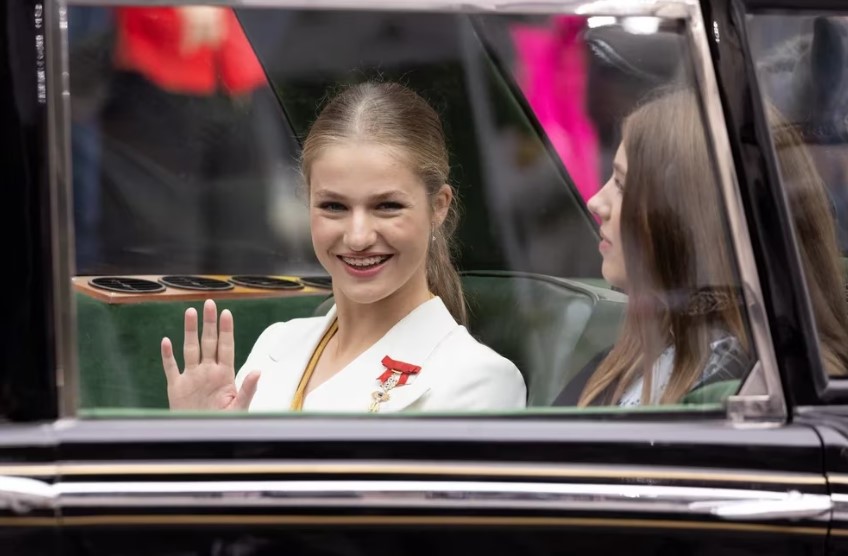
441, 203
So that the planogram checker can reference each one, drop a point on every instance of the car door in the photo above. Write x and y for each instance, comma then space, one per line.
820, 33
325, 487
28, 406
714, 475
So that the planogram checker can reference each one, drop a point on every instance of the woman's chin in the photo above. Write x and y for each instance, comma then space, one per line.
400, 289
614, 278
363, 294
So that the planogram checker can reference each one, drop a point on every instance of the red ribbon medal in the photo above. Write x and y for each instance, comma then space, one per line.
396, 374
397, 367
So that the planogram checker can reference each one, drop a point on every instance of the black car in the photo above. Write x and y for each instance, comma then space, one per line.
138, 181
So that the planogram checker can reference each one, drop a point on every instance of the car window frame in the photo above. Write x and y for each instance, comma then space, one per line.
816, 387
763, 384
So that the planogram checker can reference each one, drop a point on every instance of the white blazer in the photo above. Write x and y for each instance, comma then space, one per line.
457, 372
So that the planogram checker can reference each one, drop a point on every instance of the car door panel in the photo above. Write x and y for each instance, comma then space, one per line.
332, 487
29, 517
832, 425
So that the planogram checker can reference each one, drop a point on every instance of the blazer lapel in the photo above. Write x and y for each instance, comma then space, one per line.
411, 340
290, 357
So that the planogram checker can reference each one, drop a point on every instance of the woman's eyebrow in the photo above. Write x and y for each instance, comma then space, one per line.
386, 195
617, 168
325, 194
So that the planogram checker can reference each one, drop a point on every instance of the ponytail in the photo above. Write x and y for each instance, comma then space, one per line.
442, 276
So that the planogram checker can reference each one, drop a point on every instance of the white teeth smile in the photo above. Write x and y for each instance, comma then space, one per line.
364, 262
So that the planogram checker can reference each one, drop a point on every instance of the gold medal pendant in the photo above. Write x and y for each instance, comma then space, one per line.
377, 398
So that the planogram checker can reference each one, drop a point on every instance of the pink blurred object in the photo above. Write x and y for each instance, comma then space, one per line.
552, 73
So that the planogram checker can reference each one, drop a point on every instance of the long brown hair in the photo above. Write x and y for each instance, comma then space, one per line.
396, 117
815, 231
675, 247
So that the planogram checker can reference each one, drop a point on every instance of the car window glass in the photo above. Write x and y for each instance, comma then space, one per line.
801, 66
592, 245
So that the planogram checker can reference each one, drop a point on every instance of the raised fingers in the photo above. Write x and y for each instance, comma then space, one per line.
209, 337
191, 347
226, 341
248, 389
169, 363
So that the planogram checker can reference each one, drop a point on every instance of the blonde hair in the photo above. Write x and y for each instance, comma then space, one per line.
673, 239
394, 116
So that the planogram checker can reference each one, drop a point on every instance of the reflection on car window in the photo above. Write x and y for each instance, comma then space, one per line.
391, 223
800, 65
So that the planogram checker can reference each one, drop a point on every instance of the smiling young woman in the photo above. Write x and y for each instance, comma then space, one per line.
382, 219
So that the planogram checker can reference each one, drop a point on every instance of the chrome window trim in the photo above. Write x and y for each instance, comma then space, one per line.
770, 406
658, 8
61, 205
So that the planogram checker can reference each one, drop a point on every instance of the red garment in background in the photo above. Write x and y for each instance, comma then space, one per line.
149, 43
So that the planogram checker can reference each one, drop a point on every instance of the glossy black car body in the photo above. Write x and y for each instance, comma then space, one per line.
699, 483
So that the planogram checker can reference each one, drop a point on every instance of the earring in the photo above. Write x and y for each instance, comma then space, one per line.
433, 237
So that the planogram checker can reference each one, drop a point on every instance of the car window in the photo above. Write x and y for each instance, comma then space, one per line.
801, 68
593, 245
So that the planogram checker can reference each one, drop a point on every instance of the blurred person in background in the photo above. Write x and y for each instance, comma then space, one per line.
184, 170
90, 28
553, 74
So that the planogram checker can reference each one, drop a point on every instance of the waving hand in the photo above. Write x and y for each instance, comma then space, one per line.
208, 380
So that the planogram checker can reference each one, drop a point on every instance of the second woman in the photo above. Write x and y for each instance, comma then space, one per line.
664, 243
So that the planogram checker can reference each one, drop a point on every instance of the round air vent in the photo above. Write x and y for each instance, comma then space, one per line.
266, 282
198, 283
324, 282
123, 284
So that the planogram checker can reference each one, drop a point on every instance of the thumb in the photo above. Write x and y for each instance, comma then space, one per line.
248, 389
